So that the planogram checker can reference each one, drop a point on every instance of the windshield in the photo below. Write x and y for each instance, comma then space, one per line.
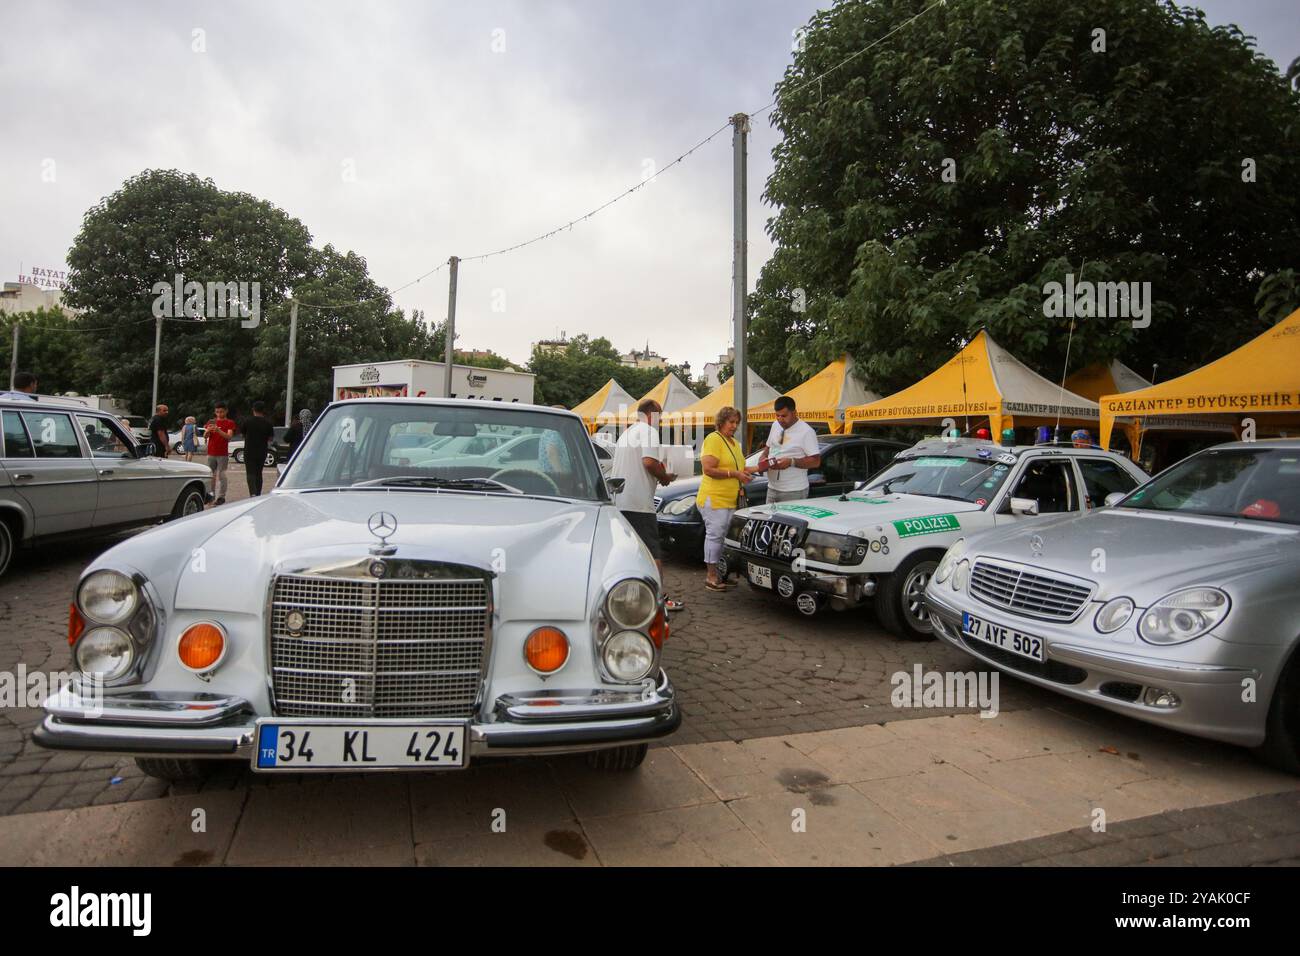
480, 447
942, 476
1260, 484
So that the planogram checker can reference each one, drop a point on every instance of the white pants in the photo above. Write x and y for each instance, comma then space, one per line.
716, 521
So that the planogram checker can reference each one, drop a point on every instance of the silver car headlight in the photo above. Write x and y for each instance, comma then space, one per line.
631, 603
628, 655
679, 506
105, 652
1183, 615
1113, 615
960, 575
107, 597
950, 558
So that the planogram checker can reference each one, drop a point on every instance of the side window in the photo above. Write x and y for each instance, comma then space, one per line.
52, 435
1050, 483
17, 444
881, 456
104, 439
844, 464
1102, 477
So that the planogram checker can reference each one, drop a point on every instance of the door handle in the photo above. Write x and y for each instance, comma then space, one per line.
105, 471
22, 475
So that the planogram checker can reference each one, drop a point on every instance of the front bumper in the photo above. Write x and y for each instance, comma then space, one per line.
1209, 692
150, 723
848, 589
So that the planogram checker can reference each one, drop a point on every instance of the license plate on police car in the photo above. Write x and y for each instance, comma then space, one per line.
1025, 645
760, 576
306, 746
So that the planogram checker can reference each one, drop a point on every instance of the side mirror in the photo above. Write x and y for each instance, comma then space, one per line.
1024, 507
615, 485
1114, 498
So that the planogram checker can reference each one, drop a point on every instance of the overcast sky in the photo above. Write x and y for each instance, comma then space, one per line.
397, 130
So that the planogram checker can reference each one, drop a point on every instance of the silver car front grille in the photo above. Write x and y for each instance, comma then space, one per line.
378, 648
1027, 592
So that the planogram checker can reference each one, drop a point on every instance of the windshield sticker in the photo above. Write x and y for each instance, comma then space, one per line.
809, 510
940, 462
1007, 459
981, 501
934, 524
871, 501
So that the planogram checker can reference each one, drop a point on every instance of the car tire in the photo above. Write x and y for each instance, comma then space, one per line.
618, 758
181, 769
6, 546
238, 456
900, 602
1281, 746
190, 502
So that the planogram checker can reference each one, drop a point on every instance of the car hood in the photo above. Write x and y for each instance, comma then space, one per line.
863, 512
1145, 555
539, 549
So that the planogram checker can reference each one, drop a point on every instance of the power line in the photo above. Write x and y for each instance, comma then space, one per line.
850, 57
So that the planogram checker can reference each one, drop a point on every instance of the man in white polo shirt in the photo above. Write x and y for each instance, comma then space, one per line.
638, 460
792, 448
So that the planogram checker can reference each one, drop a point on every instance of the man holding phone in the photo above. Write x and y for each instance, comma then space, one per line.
638, 461
791, 450
219, 430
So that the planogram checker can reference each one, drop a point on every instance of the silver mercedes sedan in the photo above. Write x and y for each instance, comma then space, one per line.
1179, 604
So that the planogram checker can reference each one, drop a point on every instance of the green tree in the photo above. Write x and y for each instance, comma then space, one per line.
164, 223
53, 346
934, 184
567, 376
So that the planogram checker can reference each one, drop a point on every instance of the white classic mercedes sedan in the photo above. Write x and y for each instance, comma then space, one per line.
380, 610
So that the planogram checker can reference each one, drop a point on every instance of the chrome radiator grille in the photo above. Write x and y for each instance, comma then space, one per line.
1030, 593
378, 648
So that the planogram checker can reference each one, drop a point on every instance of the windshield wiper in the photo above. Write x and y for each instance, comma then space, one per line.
428, 481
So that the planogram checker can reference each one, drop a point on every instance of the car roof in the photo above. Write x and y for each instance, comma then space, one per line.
1284, 444
971, 447
65, 405
454, 403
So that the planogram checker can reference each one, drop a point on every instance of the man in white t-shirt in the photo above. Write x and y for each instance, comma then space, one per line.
792, 448
638, 460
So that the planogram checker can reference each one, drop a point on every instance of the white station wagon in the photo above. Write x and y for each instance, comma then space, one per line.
379, 613
881, 543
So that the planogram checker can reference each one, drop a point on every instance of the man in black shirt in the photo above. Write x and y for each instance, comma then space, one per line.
258, 432
158, 432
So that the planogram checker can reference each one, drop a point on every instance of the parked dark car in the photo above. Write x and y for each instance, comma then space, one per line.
846, 460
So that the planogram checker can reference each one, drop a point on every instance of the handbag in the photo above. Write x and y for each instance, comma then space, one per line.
742, 499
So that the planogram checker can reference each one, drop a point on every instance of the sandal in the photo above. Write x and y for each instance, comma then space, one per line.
717, 587
670, 605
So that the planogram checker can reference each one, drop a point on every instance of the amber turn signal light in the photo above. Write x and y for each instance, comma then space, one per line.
546, 650
658, 630
202, 646
76, 624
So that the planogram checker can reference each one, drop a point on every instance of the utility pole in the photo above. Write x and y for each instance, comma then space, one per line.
740, 369
450, 329
13, 361
157, 353
293, 359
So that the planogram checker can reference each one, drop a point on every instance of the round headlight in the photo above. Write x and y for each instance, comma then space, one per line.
679, 506
955, 551
107, 597
628, 656
631, 603
105, 652
1113, 615
960, 574
1183, 615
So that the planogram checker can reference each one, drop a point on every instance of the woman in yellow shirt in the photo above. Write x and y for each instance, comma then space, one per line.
724, 472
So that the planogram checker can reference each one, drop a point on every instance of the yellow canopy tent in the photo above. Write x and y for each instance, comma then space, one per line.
1260, 378
700, 414
604, 406
1109, 378
983, 380
671, 394
823, 398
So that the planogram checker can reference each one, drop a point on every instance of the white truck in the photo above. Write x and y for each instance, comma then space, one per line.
416, 378
881, 542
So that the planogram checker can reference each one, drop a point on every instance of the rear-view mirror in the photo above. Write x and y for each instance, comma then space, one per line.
1025, 507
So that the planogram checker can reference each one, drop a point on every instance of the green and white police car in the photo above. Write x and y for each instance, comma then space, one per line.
882, 541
